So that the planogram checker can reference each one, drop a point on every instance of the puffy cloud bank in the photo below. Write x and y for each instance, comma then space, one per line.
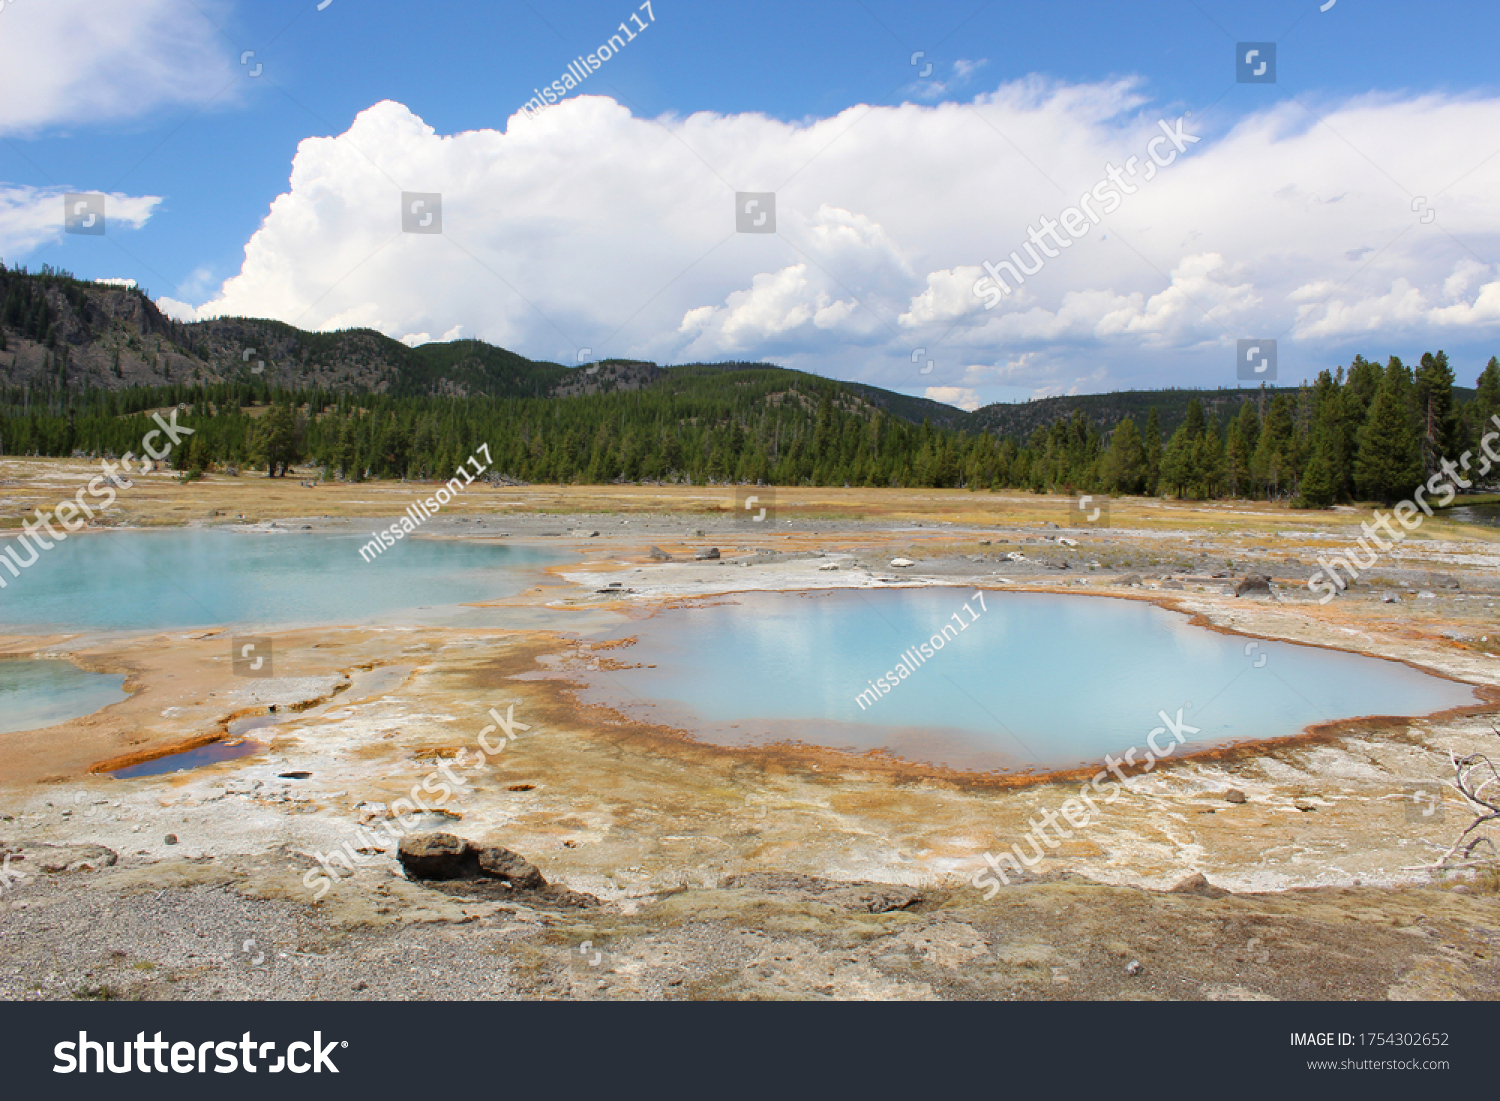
588, 231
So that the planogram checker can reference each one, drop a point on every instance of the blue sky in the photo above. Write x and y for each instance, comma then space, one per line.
180, 126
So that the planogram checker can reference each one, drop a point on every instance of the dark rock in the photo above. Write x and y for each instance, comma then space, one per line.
515, 869
707, 555
171, 839
1235, 795
1443, 581
1198, 884
482, 871
437, 856
659, 555
1131, 579
1253, 583
294, 776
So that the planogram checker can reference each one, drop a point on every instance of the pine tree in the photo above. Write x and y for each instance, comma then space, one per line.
1434, 406
1153, 448
1486, 402
1124, 465
1389, 464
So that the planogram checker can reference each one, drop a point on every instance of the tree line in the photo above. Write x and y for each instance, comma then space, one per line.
1362, 433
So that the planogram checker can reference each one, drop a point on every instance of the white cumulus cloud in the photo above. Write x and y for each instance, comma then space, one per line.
587, 227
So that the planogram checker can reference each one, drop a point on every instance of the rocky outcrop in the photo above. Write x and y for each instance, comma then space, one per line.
446, 859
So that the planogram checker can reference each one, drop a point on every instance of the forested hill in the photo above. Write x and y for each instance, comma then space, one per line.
1104, 411
63, 335
83, 365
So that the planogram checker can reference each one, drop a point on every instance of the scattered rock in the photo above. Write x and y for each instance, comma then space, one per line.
1235, 795
54, 859
171, 839
579, 533
1132, 580
1390, 598
1425, 595
1444, 581
659, 555
829, 566
1134, 968
294, 776
708, 555
1171, 584
902, 563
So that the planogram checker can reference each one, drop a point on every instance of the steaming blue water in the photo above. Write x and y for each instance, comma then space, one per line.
35, 694
181, 578
1032, 681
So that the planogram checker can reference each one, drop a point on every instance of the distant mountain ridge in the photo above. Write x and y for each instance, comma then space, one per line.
61, 333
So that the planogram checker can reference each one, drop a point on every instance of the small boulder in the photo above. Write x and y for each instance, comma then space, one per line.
1132, 580
1234, 795
659, 555
437, 856
1253, 583
1198, 884
708, 555
514, 869
902, 563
